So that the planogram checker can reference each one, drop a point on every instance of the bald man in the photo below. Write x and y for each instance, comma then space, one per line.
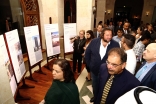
147, 72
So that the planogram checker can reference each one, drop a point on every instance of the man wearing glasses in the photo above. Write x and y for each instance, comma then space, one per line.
122, 80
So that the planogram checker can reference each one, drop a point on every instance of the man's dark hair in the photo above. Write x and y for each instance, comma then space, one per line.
120, 52
66, 68
145, 35
120, 29
103, 32
129, 40
91, 33
100, 25
141, 28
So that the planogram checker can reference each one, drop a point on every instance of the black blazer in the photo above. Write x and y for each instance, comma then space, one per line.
78, 45
149, 79
122, 83
92, 55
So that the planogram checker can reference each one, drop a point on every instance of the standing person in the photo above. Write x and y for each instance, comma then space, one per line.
140, 47
114, 79
147, 72
119, 25
96, 54
127, 43
111, 26
119, 35
89, 37
79, 43
99, 30
63, 89
139, 34
126, 28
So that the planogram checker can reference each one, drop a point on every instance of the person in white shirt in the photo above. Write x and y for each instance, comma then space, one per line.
127, 43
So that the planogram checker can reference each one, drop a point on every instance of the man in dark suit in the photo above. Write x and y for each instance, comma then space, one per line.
96, 54
119, 26
122, 82
99, 30
126, 28
147, 73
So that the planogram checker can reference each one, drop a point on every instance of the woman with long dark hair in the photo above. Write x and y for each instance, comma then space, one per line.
89, 37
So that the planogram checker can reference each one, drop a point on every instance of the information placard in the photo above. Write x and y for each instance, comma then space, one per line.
33, 44
5, 63
69, 33
15, 51
52, 39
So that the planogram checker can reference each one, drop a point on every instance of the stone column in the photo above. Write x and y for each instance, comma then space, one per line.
85, 17
100, 14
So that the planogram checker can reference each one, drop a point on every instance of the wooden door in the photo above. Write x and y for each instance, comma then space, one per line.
31, 14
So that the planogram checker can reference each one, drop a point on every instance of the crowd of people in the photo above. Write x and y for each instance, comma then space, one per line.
117, 60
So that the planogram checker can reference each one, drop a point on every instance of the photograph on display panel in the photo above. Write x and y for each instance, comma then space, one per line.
55, 39
37, 47
19, 53
55, 42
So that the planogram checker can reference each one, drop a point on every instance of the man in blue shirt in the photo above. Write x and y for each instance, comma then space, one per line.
147, 73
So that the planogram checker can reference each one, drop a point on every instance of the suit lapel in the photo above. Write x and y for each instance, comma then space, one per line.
149, 73
97, 48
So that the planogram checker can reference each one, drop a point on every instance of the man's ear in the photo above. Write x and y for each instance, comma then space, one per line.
155, 55
123, 65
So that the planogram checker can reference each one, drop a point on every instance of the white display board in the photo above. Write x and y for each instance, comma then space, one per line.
52, 39
15, 51
69, 33
5, 63
33, 44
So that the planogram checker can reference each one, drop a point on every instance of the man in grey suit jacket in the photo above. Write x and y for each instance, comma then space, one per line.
96, 54
147, 73
99, 30
123, 80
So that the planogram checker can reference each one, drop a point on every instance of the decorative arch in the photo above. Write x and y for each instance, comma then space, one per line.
31, 14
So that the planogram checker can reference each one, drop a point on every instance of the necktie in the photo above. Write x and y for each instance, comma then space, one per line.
106, 89
140, 72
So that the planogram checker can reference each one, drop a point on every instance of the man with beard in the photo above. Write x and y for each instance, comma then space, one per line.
96, 54
127, 43
114, 79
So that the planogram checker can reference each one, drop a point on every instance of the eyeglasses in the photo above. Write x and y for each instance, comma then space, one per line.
113, 65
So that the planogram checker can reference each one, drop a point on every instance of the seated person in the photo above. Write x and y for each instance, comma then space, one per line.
63, 89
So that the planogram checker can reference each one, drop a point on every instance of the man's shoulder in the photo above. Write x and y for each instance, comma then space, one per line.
130, 77
103, 67
95, 40
114, 43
